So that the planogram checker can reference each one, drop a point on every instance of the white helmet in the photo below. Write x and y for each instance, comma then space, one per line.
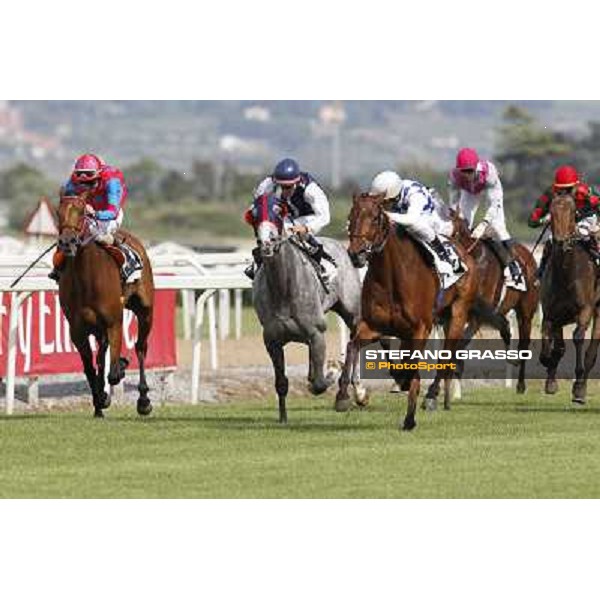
388, 183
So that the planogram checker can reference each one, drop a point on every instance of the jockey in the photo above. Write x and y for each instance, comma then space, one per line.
307, 203
587, 201
105, 207
415, 208
471, 179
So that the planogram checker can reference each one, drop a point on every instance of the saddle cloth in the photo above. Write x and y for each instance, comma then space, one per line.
444, 270
127, 259
519, 284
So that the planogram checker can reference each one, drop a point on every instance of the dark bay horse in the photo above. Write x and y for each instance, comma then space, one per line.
93, 297
491, 284
401, 296
570, 294
291, 301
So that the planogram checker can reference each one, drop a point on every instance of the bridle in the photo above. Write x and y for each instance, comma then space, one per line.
382, 225
567, 243
74, 224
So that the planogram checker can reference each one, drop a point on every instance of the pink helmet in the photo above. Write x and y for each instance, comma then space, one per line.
87, 168
466, 158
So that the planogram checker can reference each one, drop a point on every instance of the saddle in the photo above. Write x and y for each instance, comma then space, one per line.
429, 256
126, 258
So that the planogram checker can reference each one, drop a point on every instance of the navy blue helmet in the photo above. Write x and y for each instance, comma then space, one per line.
286, 172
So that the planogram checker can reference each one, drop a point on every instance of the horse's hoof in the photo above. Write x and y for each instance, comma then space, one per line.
316, 389
521, 387
578, 400
446, 405
342, 405
361, 397
578, 392
551, 387
105, 400
144, 408
409, 424
431, 404
283, 421
98, 414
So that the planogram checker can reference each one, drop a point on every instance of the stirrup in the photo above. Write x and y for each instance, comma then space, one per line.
250, 272
54, 275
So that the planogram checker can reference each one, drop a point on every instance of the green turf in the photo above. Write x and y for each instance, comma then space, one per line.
492, 444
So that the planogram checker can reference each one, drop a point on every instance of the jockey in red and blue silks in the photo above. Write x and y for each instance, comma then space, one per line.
107, 184
109, 194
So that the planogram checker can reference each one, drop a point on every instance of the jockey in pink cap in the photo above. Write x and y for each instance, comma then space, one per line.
471, 180
107, 199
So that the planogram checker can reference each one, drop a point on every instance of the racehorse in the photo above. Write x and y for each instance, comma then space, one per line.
92, 298
291, 299
401, 296
570, 294
491, 283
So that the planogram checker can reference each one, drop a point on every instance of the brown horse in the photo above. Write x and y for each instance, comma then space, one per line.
570, 294
491, 283
401, 296
92, 298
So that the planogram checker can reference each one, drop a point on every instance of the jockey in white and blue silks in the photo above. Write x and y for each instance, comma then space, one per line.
307, 203
415, 207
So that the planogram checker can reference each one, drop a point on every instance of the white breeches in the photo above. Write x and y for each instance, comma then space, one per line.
103, 227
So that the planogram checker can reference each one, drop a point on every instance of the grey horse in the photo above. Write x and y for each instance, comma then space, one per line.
291, 299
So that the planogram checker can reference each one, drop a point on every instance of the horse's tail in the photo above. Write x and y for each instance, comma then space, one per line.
486, 314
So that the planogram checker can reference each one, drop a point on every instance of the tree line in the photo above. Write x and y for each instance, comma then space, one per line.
526, 152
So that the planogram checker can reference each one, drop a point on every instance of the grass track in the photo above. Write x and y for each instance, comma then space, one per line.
492, 444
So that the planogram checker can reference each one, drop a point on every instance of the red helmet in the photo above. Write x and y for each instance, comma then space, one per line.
466, 158
566, 176
87, 168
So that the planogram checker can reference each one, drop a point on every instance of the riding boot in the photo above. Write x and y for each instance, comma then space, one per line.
317, 253
58, 261
252, 268
513, 265
443, 255
505, 255
544, 259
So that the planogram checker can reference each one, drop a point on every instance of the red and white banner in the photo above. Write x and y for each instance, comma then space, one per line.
44, 345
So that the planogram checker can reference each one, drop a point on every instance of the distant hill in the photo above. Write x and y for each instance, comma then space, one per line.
253, 134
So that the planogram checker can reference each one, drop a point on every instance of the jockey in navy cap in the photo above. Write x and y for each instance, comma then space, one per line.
308, 206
